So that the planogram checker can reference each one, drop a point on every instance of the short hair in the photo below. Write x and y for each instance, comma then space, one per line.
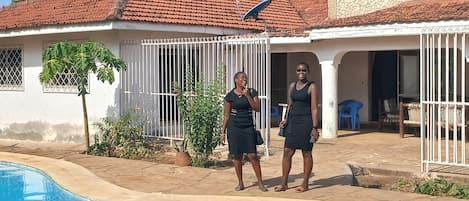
236, 76
304, 64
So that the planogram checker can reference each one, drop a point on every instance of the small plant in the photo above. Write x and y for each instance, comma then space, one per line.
122, 138
441, 187
434, 187
182, 147
200, 104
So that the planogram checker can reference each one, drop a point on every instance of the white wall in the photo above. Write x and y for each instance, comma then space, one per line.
55, 116
353, 81
34, 114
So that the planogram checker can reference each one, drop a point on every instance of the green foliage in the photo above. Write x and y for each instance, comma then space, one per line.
122, 138
441, 187
83, 58
434, 187
182, 147
201, 109
459, 191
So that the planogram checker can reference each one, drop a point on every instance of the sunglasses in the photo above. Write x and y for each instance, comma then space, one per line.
300, 70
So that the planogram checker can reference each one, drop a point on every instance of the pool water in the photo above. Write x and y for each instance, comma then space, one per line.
19, 182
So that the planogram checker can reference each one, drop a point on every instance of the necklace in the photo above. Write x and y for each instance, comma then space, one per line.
238, 94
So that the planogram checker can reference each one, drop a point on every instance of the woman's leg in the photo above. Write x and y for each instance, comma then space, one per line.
286, 167
238, 164
256, 165
307, 168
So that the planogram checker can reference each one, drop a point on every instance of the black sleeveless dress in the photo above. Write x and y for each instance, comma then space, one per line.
300, 123
240, 129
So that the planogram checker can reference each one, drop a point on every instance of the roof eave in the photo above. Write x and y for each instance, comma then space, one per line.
395, 29
118, 25
290, 40
56, 29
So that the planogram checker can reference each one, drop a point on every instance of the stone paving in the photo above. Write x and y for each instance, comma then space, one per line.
332, 177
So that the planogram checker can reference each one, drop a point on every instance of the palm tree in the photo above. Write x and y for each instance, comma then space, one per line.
82, 58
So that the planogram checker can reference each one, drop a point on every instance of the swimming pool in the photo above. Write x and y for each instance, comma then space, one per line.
19, 182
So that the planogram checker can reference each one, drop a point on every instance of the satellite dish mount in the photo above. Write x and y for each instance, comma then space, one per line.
254, 12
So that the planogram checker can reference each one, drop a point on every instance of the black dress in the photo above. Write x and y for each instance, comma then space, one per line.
300, 123
240, 128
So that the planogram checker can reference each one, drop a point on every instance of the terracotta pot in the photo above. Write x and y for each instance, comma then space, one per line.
182, 159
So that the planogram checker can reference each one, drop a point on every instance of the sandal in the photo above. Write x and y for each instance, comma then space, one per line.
280, 187
239, 188
301, 188
263, 188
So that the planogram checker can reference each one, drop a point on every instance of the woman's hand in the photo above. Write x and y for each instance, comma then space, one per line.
222, 138
282, 124
246, 91
315, 134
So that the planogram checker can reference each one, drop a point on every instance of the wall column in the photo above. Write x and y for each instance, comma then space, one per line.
329, 71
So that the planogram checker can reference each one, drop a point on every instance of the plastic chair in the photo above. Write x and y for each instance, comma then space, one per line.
274, 111
348, 111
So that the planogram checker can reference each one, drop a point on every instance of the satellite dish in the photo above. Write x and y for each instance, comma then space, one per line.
254, 11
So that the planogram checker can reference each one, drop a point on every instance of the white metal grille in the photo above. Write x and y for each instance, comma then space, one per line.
154, 64
443, 98
66, 81
11, 68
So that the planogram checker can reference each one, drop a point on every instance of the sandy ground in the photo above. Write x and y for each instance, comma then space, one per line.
331, 178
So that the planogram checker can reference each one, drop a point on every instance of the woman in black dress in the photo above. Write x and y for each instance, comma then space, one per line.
238, 123
301, 129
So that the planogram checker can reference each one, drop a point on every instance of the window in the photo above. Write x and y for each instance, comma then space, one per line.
11, 68
66, 81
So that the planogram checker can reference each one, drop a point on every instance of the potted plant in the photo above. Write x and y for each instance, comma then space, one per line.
201, 107
182, 155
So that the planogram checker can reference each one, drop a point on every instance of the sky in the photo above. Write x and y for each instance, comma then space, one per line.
4, 2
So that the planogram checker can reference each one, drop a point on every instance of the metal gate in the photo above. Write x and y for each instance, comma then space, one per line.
443, 98
153, 65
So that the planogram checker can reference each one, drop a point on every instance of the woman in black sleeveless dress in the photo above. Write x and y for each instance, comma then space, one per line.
238, 122
301, 129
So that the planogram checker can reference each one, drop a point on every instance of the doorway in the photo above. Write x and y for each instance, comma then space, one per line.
384, 79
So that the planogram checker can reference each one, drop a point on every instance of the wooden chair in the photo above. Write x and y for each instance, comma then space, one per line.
413, 116
409, 115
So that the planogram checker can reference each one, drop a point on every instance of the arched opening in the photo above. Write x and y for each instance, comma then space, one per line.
283, 73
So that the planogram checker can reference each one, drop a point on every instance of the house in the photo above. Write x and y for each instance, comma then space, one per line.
368, 51
53, 112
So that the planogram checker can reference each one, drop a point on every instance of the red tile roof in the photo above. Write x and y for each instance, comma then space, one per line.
34, 13
312, 11
407, 12
279, 15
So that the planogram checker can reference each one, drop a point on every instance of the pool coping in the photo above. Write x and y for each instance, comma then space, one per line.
81, 181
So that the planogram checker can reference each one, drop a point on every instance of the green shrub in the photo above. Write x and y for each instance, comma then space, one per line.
122, 138
201, 107
459, 191
441, 187
434, 187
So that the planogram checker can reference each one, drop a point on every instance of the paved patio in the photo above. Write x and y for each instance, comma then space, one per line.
331, 180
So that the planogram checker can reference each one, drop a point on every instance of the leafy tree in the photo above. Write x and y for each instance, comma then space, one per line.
83, 58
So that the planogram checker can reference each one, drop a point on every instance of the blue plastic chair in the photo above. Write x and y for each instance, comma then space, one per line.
274, 111
348, 112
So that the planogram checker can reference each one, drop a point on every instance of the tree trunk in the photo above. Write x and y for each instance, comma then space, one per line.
85, 122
